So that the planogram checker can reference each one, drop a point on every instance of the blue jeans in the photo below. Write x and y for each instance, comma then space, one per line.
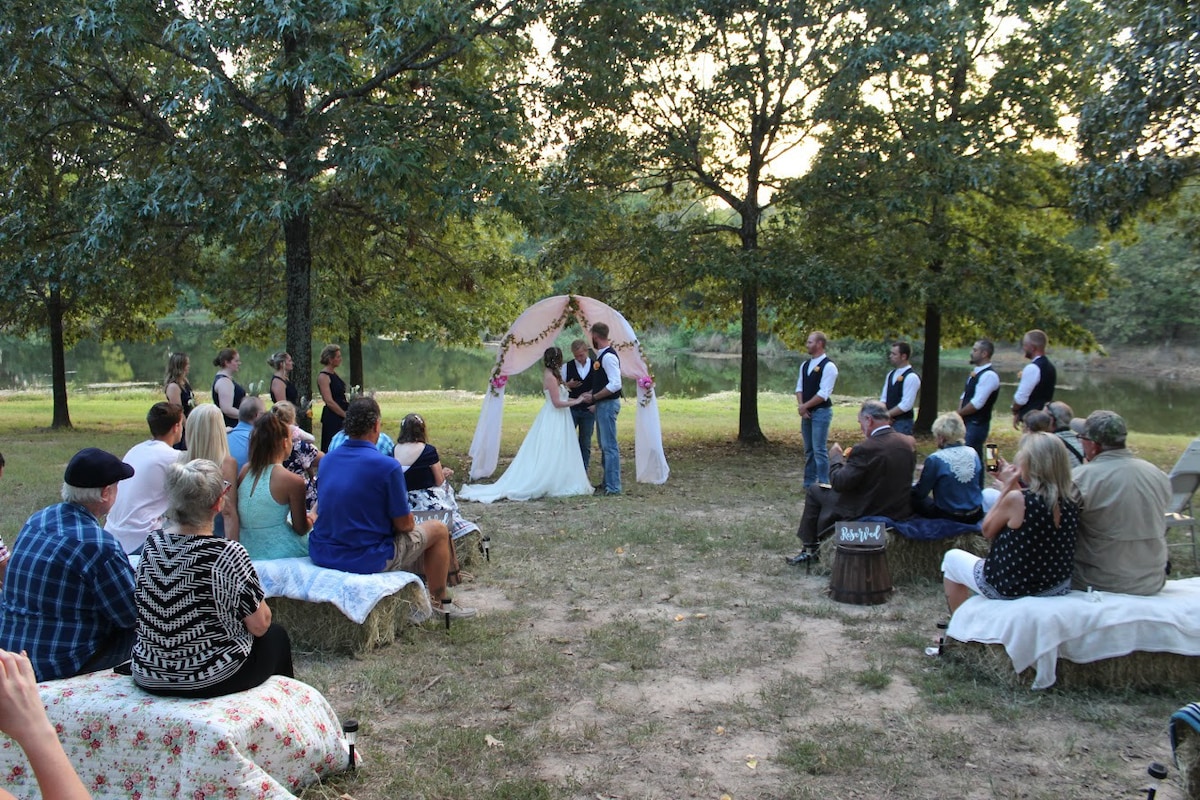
815, 431
606, 430
585, 421
903, 426
977, 434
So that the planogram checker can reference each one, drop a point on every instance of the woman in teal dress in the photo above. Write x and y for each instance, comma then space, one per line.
267, 493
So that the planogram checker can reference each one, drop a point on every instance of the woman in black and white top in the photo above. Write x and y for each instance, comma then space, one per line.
204, 629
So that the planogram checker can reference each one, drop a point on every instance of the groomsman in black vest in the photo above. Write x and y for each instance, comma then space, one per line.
579, 376
1036, 388
900, 388
979, 396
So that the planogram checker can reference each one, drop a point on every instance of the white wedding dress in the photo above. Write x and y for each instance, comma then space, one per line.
547, 465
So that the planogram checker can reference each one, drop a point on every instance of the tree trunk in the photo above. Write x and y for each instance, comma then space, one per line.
749, 431
58, 360
298, 275
930, 368
355, 345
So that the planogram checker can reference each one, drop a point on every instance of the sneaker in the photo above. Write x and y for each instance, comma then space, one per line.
454, 610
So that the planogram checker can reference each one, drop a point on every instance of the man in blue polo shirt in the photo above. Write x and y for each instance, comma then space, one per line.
364, 522
68, 592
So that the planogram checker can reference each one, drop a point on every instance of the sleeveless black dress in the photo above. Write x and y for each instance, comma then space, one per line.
290, 392
188, 400
239, 394
331, 423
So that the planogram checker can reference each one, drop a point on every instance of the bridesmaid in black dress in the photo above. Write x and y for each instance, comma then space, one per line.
333, 393
178, 390
282, 387
226, 392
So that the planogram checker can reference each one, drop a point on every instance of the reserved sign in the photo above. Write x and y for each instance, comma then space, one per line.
861, 533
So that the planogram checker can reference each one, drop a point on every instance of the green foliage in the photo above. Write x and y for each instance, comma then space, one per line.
1137, 130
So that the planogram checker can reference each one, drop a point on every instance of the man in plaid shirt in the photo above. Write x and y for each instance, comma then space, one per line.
68, 592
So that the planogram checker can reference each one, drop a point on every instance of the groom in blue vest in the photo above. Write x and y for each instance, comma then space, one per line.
606, 398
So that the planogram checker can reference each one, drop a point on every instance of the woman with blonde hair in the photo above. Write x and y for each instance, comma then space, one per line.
204, 627
1032, 529
267, 493
333, 394
208, 441
178, 390
282, 387
951, 482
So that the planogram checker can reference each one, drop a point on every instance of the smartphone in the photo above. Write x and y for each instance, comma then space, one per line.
990, 455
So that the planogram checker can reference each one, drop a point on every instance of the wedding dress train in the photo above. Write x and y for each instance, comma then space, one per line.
548, 464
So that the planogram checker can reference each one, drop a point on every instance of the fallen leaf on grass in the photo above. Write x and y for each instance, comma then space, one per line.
752, 761
720, 730
492, 741
680, 617
620, 551
726, 797
700, 616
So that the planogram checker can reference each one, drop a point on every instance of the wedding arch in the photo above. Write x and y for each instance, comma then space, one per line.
523, 346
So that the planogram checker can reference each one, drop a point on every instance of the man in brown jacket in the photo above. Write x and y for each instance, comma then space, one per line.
873, 478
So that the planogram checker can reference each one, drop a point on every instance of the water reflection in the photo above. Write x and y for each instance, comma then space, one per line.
1156, 406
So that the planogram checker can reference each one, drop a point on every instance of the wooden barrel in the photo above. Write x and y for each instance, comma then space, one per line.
860, 576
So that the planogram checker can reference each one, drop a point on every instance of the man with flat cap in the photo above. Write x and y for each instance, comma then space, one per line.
1122, 541
68, 593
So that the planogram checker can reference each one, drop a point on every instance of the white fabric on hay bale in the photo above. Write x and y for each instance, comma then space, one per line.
1083, 627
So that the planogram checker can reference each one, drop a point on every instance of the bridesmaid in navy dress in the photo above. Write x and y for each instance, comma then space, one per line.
226, 392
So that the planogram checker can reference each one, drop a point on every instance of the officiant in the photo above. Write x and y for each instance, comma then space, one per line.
579, 375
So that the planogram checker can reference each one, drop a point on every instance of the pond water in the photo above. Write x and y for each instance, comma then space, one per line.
1151, 406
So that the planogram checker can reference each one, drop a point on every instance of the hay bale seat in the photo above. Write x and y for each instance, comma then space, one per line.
330, 611
263, 744
1099, 640
913, 559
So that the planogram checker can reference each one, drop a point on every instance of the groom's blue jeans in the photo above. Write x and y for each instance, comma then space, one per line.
606, 430
816, 446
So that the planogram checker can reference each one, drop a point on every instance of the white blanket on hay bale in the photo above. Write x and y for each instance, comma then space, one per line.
354, 595
1083, 627
262, 744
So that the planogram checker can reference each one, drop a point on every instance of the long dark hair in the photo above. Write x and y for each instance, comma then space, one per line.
412, 429
265, 442
553, 359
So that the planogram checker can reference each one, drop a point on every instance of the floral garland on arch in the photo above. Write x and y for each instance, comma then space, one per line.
570, 310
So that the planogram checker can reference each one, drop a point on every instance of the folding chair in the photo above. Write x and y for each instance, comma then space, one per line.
1185, 480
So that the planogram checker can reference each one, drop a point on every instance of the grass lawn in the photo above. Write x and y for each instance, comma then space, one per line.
656, 645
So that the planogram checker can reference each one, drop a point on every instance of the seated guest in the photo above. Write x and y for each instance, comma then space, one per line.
239, 436
207, 440
385, 444
1038, 421
873, 478
203, 627
427, 480
1063, 414
951, 483
366, 524
304, 457
1122, 535
1032, 531
68, 592
267, 493
143, 498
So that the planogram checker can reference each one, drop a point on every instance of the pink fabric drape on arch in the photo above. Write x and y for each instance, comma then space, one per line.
528, 338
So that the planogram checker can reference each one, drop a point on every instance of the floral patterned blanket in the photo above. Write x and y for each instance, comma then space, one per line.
262, 744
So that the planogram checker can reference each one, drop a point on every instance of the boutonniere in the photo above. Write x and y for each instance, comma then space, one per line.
815, 370
901, 378
595, 365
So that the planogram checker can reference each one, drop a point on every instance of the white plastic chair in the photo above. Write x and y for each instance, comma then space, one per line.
1185, 480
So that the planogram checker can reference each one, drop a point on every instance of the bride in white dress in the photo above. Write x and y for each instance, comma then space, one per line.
549, 463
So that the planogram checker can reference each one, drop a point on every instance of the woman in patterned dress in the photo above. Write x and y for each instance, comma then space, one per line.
1032, 529
204, 629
